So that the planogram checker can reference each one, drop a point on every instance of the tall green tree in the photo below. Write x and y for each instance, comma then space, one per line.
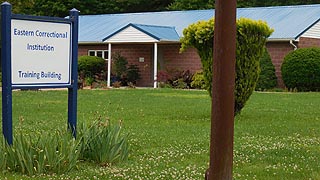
208, 4
191, 4
60, 8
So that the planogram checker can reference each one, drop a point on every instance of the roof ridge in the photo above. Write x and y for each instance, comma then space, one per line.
144, 13
201, 10
150, 25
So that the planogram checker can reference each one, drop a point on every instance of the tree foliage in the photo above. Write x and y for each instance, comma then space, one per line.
251, 39
60, 8
267, 78
191, 4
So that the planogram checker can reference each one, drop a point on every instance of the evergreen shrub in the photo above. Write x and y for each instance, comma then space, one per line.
133, 74
267, 78
301, 69
251, 39
126, 74
91, 65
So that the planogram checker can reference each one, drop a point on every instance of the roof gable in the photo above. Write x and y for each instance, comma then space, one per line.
143, 33
288, 22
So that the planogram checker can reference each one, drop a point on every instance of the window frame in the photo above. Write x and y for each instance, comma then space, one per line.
104, 52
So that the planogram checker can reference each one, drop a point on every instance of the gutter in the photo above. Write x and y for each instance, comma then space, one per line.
295, 47
90, 42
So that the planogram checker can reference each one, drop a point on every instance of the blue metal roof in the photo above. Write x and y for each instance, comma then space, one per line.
160, 33
288, 22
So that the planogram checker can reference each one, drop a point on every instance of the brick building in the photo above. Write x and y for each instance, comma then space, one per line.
151, 40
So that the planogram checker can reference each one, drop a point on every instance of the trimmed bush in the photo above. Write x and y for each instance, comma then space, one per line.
267, 78
251, 39
89, 66
301, 69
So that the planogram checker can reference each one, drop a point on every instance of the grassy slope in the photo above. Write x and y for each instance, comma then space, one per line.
276, 136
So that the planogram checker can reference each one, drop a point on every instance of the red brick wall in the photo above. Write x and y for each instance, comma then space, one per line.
173, 60
308, 42
133, 52
83, 49
277, 51
187, 60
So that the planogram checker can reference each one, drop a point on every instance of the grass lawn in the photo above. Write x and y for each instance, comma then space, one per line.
277, 135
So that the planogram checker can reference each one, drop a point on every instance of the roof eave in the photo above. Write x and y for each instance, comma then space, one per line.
280, 39
90, 42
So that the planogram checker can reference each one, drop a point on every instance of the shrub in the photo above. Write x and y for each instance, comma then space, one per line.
301, 69
175, 78
267, 78
251, 39
91, 65
122, 73
133, 74
119, 65
198, 81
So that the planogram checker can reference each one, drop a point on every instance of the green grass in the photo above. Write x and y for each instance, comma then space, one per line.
276, 136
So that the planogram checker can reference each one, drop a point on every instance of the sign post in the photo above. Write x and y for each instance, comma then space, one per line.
222, 114
6, 72
38, 52
73, 91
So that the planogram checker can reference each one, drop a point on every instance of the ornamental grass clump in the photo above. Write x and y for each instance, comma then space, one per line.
103, 143
58, 153
34, 154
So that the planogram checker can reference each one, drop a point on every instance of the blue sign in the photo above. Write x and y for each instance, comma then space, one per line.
38, 52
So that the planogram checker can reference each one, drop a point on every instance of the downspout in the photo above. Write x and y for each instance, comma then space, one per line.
294, 46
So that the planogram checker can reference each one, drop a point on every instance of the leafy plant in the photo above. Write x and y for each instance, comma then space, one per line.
198, 81
267, 78
31, 154
59, 153
251, 39
91, 65
119, 65
122, 72
133, 74
103, 143
89, 80
175, 78
301, 69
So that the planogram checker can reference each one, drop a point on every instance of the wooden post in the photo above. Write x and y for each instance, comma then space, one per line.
222, 114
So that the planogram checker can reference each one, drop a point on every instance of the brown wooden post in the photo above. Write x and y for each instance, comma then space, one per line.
222, 114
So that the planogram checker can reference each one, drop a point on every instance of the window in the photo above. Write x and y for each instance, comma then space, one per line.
100, 53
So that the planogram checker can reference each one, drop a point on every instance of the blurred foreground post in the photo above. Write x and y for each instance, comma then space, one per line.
222, 114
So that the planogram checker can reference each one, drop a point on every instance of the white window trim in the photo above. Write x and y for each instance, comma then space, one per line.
96, 52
